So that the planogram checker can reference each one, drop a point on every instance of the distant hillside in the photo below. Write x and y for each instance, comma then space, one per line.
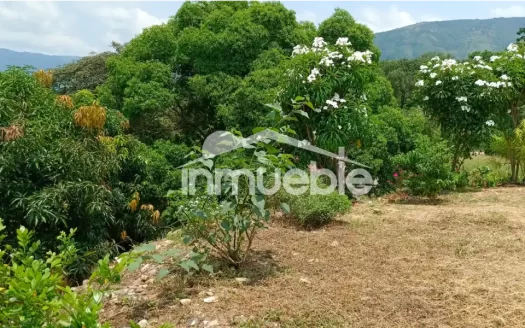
457, 37
39, 61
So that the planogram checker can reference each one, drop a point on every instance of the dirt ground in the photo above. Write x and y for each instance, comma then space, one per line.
459, 262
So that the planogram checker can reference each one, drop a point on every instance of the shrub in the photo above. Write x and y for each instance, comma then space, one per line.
313, 211
426, 169
33, 291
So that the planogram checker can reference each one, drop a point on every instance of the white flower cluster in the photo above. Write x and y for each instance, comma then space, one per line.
490, 123
455, 78
330, 58
498, 84
433, 75
423, 69
420, 83
448, 63
300, 50
365, 57
461, 99
319, 43
343, 42
313, 75
512, 47
494, 58
465, 108
335, 102
438, 82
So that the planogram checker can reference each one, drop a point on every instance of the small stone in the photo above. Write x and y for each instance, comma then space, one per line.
304, 280
376, 211
151, 281
144, 277
145, 268
335, 243
85, 282
213, 323
202, 293
211, 299
185, 301
143, 323
209, 293
239, 320
295, 253
311, 260
242, 280
192, 322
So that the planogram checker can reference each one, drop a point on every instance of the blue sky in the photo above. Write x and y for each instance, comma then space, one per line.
78, 28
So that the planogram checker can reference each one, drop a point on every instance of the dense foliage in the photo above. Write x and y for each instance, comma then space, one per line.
98, 145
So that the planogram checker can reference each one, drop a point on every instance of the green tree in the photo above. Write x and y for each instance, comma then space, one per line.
84, 74
521, 35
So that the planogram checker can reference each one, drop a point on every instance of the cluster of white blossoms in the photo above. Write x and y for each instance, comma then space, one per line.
512, 47
438, 82
490, 123
313, 75
343, 42
335, 102
465, 108
300, 50
420, 83
358, 56
331, 58
423, 69
494, 58
461, 99
497, 84
319, 43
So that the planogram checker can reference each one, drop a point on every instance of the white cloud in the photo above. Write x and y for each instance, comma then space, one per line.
390, 19
74, 28
38, 27
513, 11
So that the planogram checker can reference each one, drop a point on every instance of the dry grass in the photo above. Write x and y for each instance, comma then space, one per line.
456, 264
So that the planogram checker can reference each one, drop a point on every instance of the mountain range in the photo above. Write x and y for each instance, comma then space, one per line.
457, 37
39, 61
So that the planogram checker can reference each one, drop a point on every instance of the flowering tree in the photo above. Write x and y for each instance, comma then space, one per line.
332, 79
463, 99
510, 67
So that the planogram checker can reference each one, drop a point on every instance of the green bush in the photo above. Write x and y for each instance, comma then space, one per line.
313, 211
426, 170
33, 291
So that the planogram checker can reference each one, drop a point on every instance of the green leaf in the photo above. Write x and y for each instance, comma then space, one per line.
158, 258
135, 264
200, 214
173, 252
188, 265
207, 267
145, 248
225, 225
302, 112
277, 107
285, 207
162, 273
258, 129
